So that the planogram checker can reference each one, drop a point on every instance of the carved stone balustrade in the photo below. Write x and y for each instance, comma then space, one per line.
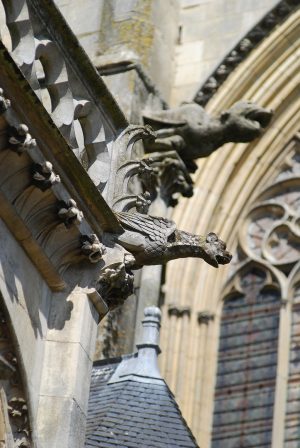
60, 73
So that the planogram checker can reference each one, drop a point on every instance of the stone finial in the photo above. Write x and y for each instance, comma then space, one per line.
151, 327
143, 366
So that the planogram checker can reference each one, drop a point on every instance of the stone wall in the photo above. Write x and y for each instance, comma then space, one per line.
53, 339
84, 18
144, 32
27, 300
208, 30
177, 42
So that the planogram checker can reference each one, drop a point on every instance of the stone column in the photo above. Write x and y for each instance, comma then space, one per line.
69, 349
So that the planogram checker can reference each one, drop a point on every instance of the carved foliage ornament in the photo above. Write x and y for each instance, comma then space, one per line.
69, 213
92, 248
4, 102
43, 175
125, 193
20, 139
13, 400
116, 284
165, 174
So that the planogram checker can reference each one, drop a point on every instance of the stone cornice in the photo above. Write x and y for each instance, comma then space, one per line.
54, 147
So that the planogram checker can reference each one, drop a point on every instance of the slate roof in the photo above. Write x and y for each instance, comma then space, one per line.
133, 414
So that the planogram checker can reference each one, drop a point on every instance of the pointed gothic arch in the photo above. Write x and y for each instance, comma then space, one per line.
226, 185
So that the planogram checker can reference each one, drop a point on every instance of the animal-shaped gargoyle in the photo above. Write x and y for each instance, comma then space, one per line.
193, 133
152, 240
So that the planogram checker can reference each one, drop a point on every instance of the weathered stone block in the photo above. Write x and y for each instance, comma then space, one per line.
61, 423
67, 369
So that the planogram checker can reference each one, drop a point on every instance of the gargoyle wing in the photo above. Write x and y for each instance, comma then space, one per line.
152, 227
176, 117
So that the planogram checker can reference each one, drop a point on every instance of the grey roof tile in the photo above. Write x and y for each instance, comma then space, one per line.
132, 414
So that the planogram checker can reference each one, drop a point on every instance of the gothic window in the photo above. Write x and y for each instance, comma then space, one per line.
257, 398
247, 363
292, 416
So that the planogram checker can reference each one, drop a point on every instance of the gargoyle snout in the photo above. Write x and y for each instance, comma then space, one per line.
217, 250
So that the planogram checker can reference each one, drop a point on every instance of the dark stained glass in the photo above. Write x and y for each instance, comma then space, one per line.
292, 420
247, 362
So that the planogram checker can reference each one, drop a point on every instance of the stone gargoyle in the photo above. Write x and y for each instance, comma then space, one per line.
193, 133
151, 240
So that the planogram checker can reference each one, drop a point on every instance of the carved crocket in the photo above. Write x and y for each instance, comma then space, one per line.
152, 240
193, 133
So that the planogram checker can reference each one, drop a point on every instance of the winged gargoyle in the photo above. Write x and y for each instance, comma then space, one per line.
193, 133
151, 240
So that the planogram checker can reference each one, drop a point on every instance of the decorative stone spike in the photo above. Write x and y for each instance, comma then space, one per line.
151, 327
144, 366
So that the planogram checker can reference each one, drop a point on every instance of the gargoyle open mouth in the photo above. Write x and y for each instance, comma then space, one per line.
216, 251
261, 118
225, 258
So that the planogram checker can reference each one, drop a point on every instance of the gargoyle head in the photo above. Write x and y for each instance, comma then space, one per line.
214, 249
244, 121
210, 248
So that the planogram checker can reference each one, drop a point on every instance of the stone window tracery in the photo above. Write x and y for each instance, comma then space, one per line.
257, 383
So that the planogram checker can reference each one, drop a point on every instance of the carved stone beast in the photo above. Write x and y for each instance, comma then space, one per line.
151, 240
193, 133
